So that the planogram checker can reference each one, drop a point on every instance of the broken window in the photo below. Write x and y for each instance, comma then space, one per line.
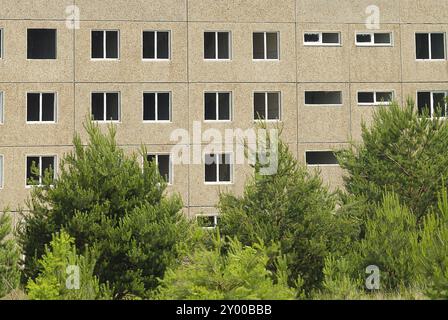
322, 38
216, 45
321, 158
207, 221
163, 163
105, 44
374, 39
267, 106
41, 107
430, 46
41, 43
218, 168
217, 106
156, 106
375, 97
106, 106
265, 46
43, 165
432, 103
323, 97
156, 45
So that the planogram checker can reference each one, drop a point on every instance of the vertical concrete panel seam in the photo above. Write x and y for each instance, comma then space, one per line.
188, 101
297, 78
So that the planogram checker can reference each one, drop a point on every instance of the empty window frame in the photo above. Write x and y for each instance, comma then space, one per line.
321, 158
266, 45
323, 97
218, 168
217, 45
41, 43
217, 106
105, 44
163, 162
156, 45
370, 39
432, 103
157, 106
375, 97
106, 106
322, 38
430, 46
40, 107
267, 106
2, 108
207, 221
43, 164
1, 171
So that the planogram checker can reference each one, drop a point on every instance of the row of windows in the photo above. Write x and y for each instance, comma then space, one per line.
156, 45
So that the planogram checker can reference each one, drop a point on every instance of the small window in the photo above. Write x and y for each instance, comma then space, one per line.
266, 46
374, 39
1, 171
322, 38
218, 168
1, 107
157, 106
105, 44
267, 106
321, 158
106, 106
163, 163
217, 106
207, 221
217, 45
43, 164
375, 97
156, 45
430, 46
323, 97
41, 107
41, 43
432, 103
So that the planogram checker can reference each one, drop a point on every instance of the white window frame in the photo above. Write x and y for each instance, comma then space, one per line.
2, 171
215, 220
104, 58
372, 39
280, 100
217, 105
319, 165
325, 104
156, 102
55, 169
55, 109
216, 45
375, 100
218, 182
170, 181
105, 107
265, 49
155, 45
320, 43
429, 45
2, 107
431, 93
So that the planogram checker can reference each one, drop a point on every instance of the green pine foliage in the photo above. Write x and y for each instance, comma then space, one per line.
9, 257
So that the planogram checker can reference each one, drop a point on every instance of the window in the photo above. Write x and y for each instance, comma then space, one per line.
163, 162
1, 107
207, 221
218, 168
1, 43
374, 39
106, 106
430, 46
267, 106
266, 45
41, 107
321, 38
432, 103
217, 45
43, 164
375, 97
1, 171
321, 158
156, 45
105, 44
41, 43
157, 106
323, 97
217, 106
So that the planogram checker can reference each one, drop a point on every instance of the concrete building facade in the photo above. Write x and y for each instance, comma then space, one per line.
322, 66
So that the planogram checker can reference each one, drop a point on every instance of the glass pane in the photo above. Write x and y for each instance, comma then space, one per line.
112, 44
112, 106
223, 45
150, 158
164, 166
311, 37
163, 43
424, 103
273, 106
321, 158
259, 106
163, 107
332, 38
30, 174
437, 46
272, 45
365, 97
41, 44
384, 97
323, 97
210, 168
382, 38
32, 108
149, 106
97, 44
47, 166
363, 38
224, 106
439, 104
98, 106
209, 45
258, 43
210, 106
422, 46
48, 103
224, 168
148, 45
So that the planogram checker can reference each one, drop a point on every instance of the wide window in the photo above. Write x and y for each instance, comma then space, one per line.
163, 163
217, 106
41, 107
432, 103
157, 106
267, 106
430, 46
105, 44
266, 46
216, 45
374, 39
156, 45
321, 38
320, 158
42, 164
323, 97
207, 221
218, 168
375, 97
106, 106
41, 43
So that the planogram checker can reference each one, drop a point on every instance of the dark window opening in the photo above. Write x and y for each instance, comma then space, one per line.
323, 97
105, 44
265, 45
366, 97
41, 43
41, 107
207, 222
267, 106
218, 168
156, 106
321, 158
330, 37
105, 106
430, 46
43, 165
156, 45
163, 164
217, 106
424, 103
217, 45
